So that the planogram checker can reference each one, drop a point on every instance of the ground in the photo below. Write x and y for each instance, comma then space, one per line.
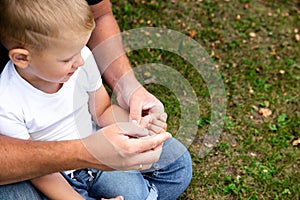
255, 46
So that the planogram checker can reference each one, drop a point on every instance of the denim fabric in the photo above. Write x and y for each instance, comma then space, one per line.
130, 184
173, 172
19, 191
169, 177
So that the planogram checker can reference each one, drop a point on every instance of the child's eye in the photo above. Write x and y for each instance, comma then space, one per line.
66, 61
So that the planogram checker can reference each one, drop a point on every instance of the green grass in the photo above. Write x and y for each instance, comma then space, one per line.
254, 157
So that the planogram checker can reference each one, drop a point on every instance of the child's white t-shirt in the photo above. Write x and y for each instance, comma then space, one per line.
28, 112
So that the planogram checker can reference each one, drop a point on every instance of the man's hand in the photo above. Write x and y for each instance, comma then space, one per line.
137, 99
155, 123
123, 146
142, 103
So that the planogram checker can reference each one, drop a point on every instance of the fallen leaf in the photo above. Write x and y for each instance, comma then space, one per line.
208, 145
192, 33
147, 74
217, 56
273, 52
296, 142
183, 25
246, 6
266, 112
254, 107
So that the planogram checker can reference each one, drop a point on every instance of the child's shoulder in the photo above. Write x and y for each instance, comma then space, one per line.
9, 90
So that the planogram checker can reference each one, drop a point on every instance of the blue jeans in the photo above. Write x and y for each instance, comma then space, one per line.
167, 179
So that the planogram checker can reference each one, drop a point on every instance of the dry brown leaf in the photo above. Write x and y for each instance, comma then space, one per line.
266, 112
192, 33
217, 56
247, 5
254, 107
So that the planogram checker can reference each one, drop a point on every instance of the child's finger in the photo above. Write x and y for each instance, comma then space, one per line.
159, 123
156, 129
163, 117
145, 121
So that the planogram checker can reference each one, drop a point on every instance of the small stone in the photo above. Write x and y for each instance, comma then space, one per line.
297, 37
251, 91
252, 34
253, 154
281, 71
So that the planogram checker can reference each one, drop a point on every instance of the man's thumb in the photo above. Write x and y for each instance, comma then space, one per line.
135, 112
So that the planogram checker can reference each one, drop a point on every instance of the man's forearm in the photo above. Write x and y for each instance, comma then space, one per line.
27, 159
106, 44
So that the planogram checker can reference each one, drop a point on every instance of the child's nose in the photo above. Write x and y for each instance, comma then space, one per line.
79, 62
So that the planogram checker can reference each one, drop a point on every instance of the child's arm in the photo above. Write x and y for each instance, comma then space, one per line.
104, 113
55, 186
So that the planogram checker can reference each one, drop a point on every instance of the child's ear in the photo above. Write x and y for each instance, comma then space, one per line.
20, 57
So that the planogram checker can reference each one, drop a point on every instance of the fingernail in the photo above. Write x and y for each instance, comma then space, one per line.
163, 117
170, 135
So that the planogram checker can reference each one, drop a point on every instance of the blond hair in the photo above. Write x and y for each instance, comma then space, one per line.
35, 23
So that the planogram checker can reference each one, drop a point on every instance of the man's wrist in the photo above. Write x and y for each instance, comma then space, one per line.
126, 86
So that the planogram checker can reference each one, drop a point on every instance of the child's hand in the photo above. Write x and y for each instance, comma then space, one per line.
156, 124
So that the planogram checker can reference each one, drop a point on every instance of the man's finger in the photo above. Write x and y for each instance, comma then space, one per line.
132, 129
146, 159
150, 142
135, 112
155, 108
